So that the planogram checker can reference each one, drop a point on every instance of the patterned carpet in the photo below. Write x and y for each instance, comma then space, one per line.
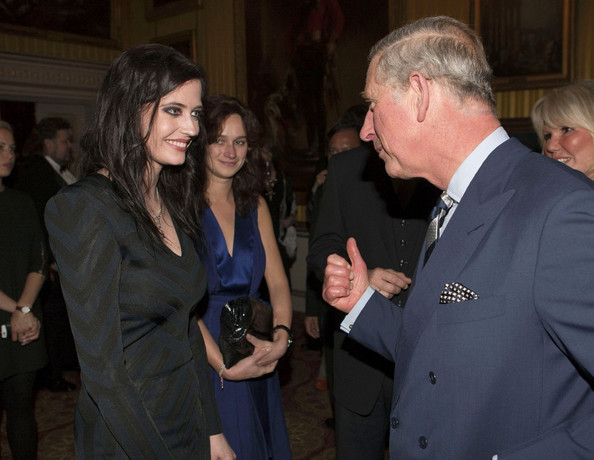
306, 409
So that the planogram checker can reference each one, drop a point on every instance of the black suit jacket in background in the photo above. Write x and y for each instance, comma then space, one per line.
40, 181
359, 201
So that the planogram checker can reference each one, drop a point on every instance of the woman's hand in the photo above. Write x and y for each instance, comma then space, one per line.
278, 348
261, 362
24, 327
220, 448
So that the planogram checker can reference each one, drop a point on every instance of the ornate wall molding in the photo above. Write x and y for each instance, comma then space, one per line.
36, 78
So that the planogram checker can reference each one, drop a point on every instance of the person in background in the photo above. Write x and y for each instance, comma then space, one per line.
564, 123
319, 319
493, 352
48, 152
123, 238
22, 271
280, 197
240, 250
388, 217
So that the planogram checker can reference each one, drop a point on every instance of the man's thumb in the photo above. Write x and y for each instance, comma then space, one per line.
353, 252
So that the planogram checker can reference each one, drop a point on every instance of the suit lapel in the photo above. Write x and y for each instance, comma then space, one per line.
483, 202
50, 171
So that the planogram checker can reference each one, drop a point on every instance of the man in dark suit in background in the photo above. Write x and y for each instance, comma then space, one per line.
493, 352
388, 218
42, 174
320, 319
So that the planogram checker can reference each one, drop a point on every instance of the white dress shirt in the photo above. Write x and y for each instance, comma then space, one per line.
68, 177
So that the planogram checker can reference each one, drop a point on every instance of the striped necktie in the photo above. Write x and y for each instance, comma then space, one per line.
436, 218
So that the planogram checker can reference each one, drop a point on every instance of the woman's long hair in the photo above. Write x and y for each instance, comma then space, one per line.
247, 183
138, 78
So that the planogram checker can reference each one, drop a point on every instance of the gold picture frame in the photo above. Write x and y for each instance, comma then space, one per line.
156, 9
184, 42
529, 43
65, 21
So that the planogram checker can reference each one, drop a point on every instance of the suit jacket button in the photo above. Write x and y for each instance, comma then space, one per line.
423, 442
395, 422
432, 378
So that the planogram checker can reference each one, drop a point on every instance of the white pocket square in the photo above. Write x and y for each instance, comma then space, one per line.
456, 292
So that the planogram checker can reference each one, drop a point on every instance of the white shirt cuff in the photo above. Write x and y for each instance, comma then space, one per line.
349, 320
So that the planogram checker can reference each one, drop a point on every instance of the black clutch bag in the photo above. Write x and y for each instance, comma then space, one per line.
239, 317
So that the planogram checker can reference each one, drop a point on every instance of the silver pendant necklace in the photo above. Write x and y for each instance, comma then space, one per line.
158, 216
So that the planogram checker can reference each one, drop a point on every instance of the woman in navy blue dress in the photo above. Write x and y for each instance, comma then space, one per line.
239, 251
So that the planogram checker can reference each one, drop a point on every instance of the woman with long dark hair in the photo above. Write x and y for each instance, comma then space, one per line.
123, 241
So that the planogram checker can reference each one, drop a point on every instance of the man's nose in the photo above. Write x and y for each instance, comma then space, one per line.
367, 132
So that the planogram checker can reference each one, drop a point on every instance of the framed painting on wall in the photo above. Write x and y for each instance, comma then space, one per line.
94, 21
529, 43
184, 42
156, 9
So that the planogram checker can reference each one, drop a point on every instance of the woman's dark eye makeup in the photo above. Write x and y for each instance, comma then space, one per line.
172, 110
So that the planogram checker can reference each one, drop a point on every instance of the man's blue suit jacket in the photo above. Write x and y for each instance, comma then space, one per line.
509, 373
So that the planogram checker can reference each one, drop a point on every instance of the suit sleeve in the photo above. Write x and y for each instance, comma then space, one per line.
564, 300
209, 406
89, 260
329, 230
377, 326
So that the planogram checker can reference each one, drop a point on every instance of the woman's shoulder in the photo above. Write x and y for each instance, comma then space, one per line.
17, 196
95, 187
92, 194
262, 207
18, 203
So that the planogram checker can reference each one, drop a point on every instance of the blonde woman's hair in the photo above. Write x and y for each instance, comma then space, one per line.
571, 105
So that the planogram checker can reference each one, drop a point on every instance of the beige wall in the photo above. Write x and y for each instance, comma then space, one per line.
219, 28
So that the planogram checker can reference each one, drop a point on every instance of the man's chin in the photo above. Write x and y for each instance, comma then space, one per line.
395, 171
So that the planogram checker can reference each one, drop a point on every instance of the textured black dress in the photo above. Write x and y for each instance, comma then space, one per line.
146, 389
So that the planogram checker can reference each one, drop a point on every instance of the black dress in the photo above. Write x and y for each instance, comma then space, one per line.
146, 389
21, 252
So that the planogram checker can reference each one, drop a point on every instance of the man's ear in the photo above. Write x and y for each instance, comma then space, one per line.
420, 88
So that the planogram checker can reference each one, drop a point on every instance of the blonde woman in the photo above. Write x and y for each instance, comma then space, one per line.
564, 123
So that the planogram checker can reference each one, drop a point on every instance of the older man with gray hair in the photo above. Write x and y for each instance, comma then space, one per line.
493, 351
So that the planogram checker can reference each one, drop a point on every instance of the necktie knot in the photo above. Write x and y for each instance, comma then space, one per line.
444, 203
436, 219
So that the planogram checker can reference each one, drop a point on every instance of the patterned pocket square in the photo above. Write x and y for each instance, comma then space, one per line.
456, 292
